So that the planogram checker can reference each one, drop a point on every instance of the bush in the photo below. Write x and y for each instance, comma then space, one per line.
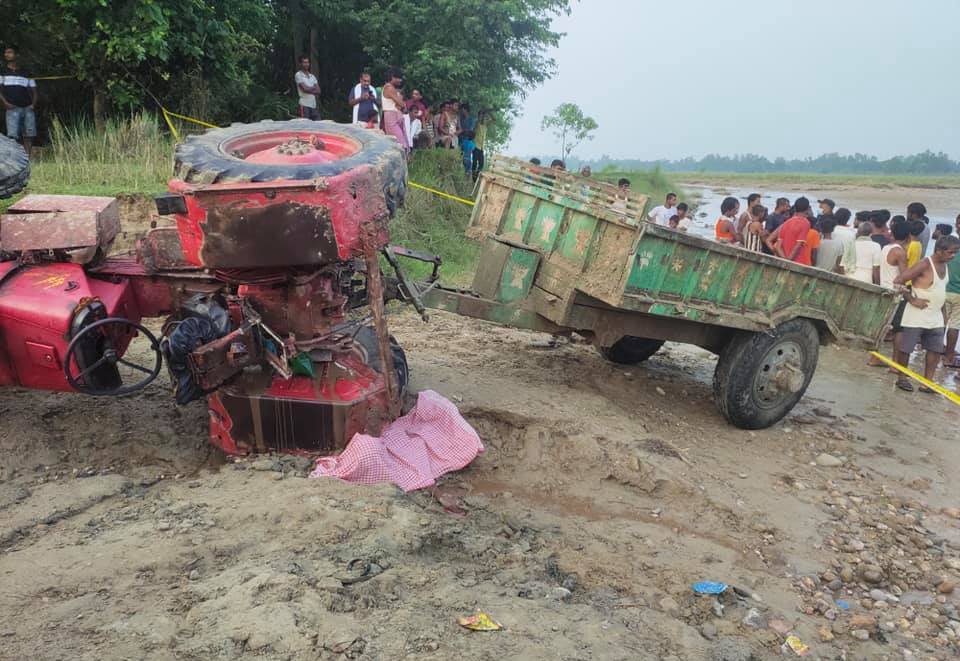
435, 224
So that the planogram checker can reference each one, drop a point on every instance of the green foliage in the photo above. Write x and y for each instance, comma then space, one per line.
570, 126
233, 60
121, 48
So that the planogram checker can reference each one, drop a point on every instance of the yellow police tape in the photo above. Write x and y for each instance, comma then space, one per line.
953, 397
442, 194
176, 134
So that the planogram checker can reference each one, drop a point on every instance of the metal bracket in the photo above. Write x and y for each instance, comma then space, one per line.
409, 289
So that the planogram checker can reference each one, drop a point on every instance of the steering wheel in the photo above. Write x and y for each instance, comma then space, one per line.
105, 367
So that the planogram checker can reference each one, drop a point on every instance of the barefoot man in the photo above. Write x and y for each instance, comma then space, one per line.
923, 316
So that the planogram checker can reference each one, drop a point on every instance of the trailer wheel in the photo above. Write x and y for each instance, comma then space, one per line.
761, 376
631, 350
295, 150
14, 167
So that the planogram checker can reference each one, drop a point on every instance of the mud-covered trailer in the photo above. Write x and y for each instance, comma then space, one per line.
561, 254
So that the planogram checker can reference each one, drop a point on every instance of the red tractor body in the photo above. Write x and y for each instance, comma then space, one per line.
270, 283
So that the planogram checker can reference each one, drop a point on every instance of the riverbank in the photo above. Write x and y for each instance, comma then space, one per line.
879, 182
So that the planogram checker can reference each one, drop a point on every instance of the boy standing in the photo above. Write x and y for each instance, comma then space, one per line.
683, 222
467, 145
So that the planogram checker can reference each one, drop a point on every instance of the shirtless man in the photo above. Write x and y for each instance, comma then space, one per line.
923, 316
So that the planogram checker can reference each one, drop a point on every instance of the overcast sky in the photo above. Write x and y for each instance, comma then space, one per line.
675, 78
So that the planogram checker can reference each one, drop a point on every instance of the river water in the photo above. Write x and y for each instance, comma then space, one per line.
943, 205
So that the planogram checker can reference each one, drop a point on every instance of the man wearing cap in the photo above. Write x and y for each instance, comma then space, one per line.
826, 209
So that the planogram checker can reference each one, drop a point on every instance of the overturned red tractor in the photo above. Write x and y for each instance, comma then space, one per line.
269, 281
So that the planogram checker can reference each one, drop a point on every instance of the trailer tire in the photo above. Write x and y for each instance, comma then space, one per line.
631, 350
761, 376
207, 158
14, 167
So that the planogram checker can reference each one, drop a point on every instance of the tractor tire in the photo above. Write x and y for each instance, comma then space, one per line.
207, 159
761, 376
631, 350
14, 167
366, 342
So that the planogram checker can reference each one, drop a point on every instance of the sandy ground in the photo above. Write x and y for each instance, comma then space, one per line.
603, 495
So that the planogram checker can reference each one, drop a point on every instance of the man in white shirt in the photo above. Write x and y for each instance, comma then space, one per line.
661, 215
364, 100
307, 90
847, 236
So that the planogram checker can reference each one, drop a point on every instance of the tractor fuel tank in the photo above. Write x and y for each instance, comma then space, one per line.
39, 308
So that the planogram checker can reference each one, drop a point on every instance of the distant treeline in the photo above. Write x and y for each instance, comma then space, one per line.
925, 163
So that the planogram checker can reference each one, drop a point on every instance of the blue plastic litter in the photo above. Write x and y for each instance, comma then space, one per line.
842, 604
709, 587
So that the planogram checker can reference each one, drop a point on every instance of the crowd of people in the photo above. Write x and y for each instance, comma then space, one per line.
906, 253
414, 123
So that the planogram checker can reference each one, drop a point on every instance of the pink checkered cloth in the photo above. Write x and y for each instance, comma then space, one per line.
416, 449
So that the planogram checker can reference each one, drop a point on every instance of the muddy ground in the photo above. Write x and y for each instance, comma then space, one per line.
603, 495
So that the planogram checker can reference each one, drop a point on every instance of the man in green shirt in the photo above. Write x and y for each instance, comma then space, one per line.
952, 310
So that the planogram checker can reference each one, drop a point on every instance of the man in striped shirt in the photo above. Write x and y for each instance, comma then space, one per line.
18, 94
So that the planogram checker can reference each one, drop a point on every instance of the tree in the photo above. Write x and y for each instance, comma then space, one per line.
234, 60
119, 48
570, 126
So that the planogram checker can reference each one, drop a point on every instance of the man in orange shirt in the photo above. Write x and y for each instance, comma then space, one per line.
792, 240
808, 253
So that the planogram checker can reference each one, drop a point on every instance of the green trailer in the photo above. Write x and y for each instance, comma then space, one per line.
564, 254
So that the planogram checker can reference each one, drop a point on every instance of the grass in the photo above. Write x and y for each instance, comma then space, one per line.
130, 155
435, 224
806, 179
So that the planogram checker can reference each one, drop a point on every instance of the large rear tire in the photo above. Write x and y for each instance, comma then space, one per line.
761, 376
631, 350
14, 167
217, 156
